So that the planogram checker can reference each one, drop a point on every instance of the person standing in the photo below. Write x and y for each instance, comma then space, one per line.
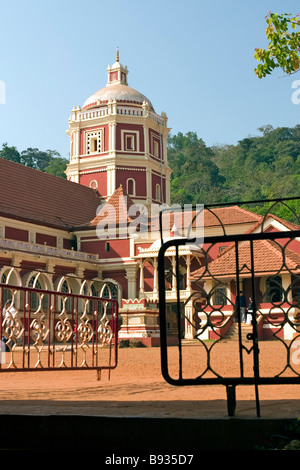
242, 303
250, 311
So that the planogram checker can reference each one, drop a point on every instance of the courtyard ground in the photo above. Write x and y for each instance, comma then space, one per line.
136, 387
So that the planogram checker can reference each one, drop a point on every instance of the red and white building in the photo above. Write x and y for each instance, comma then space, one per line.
80, 234
117, 139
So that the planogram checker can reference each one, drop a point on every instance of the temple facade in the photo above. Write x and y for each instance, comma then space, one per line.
97, 231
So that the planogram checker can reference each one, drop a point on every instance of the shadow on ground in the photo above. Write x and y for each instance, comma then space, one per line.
53, 425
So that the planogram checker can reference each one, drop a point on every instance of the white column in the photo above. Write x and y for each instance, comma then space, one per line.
208, 285
131, 278
77, 143
141, 290
174, 279
113, 137
149, 185
155, 265
111, 179
188, 268
286, 284
189, 328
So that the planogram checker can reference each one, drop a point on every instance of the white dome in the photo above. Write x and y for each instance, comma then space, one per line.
118, 91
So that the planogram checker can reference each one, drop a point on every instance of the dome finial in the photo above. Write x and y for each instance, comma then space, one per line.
117, 58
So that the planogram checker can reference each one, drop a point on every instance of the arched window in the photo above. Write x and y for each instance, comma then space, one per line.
220, 295
131, 187
274, 289
157, 192
66, 289
94, 291
110, 291
6, 293
34, 297
93, 184
88, 289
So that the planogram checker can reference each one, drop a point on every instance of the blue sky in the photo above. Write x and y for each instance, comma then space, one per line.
192, 59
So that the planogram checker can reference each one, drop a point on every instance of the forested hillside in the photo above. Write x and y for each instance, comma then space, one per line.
266, 166
262, 167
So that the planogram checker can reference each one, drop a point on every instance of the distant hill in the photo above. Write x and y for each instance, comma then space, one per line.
262, 167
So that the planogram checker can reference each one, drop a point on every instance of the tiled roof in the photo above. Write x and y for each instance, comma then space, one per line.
37, 197
268, 259
229, 215
263, 223
116, 210
214, 217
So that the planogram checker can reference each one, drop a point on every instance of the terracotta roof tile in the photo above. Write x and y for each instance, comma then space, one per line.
117, 209
227, 215
268, 259
262, 222
38, 197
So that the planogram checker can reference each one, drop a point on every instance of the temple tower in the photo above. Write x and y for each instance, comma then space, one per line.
117, 138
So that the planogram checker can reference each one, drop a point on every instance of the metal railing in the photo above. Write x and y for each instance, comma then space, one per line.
50, 330
265, 265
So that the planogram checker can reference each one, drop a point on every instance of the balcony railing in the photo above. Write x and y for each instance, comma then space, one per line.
14, 245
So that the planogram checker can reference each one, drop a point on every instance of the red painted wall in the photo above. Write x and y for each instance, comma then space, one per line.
130, 127
154, 136
139, 177
118, 276
67, 244
100, 177
42, 238
148, 277
83, 133
140, 245
31, 266
16, 234
117, 248
156, 179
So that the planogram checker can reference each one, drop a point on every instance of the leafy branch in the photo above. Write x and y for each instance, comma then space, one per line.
283, 45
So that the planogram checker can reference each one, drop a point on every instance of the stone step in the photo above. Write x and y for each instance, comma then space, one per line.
233, 333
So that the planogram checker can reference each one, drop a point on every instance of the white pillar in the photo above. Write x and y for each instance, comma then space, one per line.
155, 265
174, 279
286, 286
141, 290
113, 137
77, 143
188, 268
131, 278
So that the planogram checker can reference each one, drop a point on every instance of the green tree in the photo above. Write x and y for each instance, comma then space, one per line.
48, 161
196, 178
262, 167
10, 153
283, 45
57, 167
35, 158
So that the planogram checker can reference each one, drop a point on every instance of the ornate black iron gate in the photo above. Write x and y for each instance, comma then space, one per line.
261, 266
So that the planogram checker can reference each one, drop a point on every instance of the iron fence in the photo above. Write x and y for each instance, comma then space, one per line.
261, 266
50, 330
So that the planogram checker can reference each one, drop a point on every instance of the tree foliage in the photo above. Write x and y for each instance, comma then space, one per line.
258, 168
195, 175
283, 45
48, 161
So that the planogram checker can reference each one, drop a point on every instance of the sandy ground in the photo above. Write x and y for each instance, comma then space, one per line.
136, 387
